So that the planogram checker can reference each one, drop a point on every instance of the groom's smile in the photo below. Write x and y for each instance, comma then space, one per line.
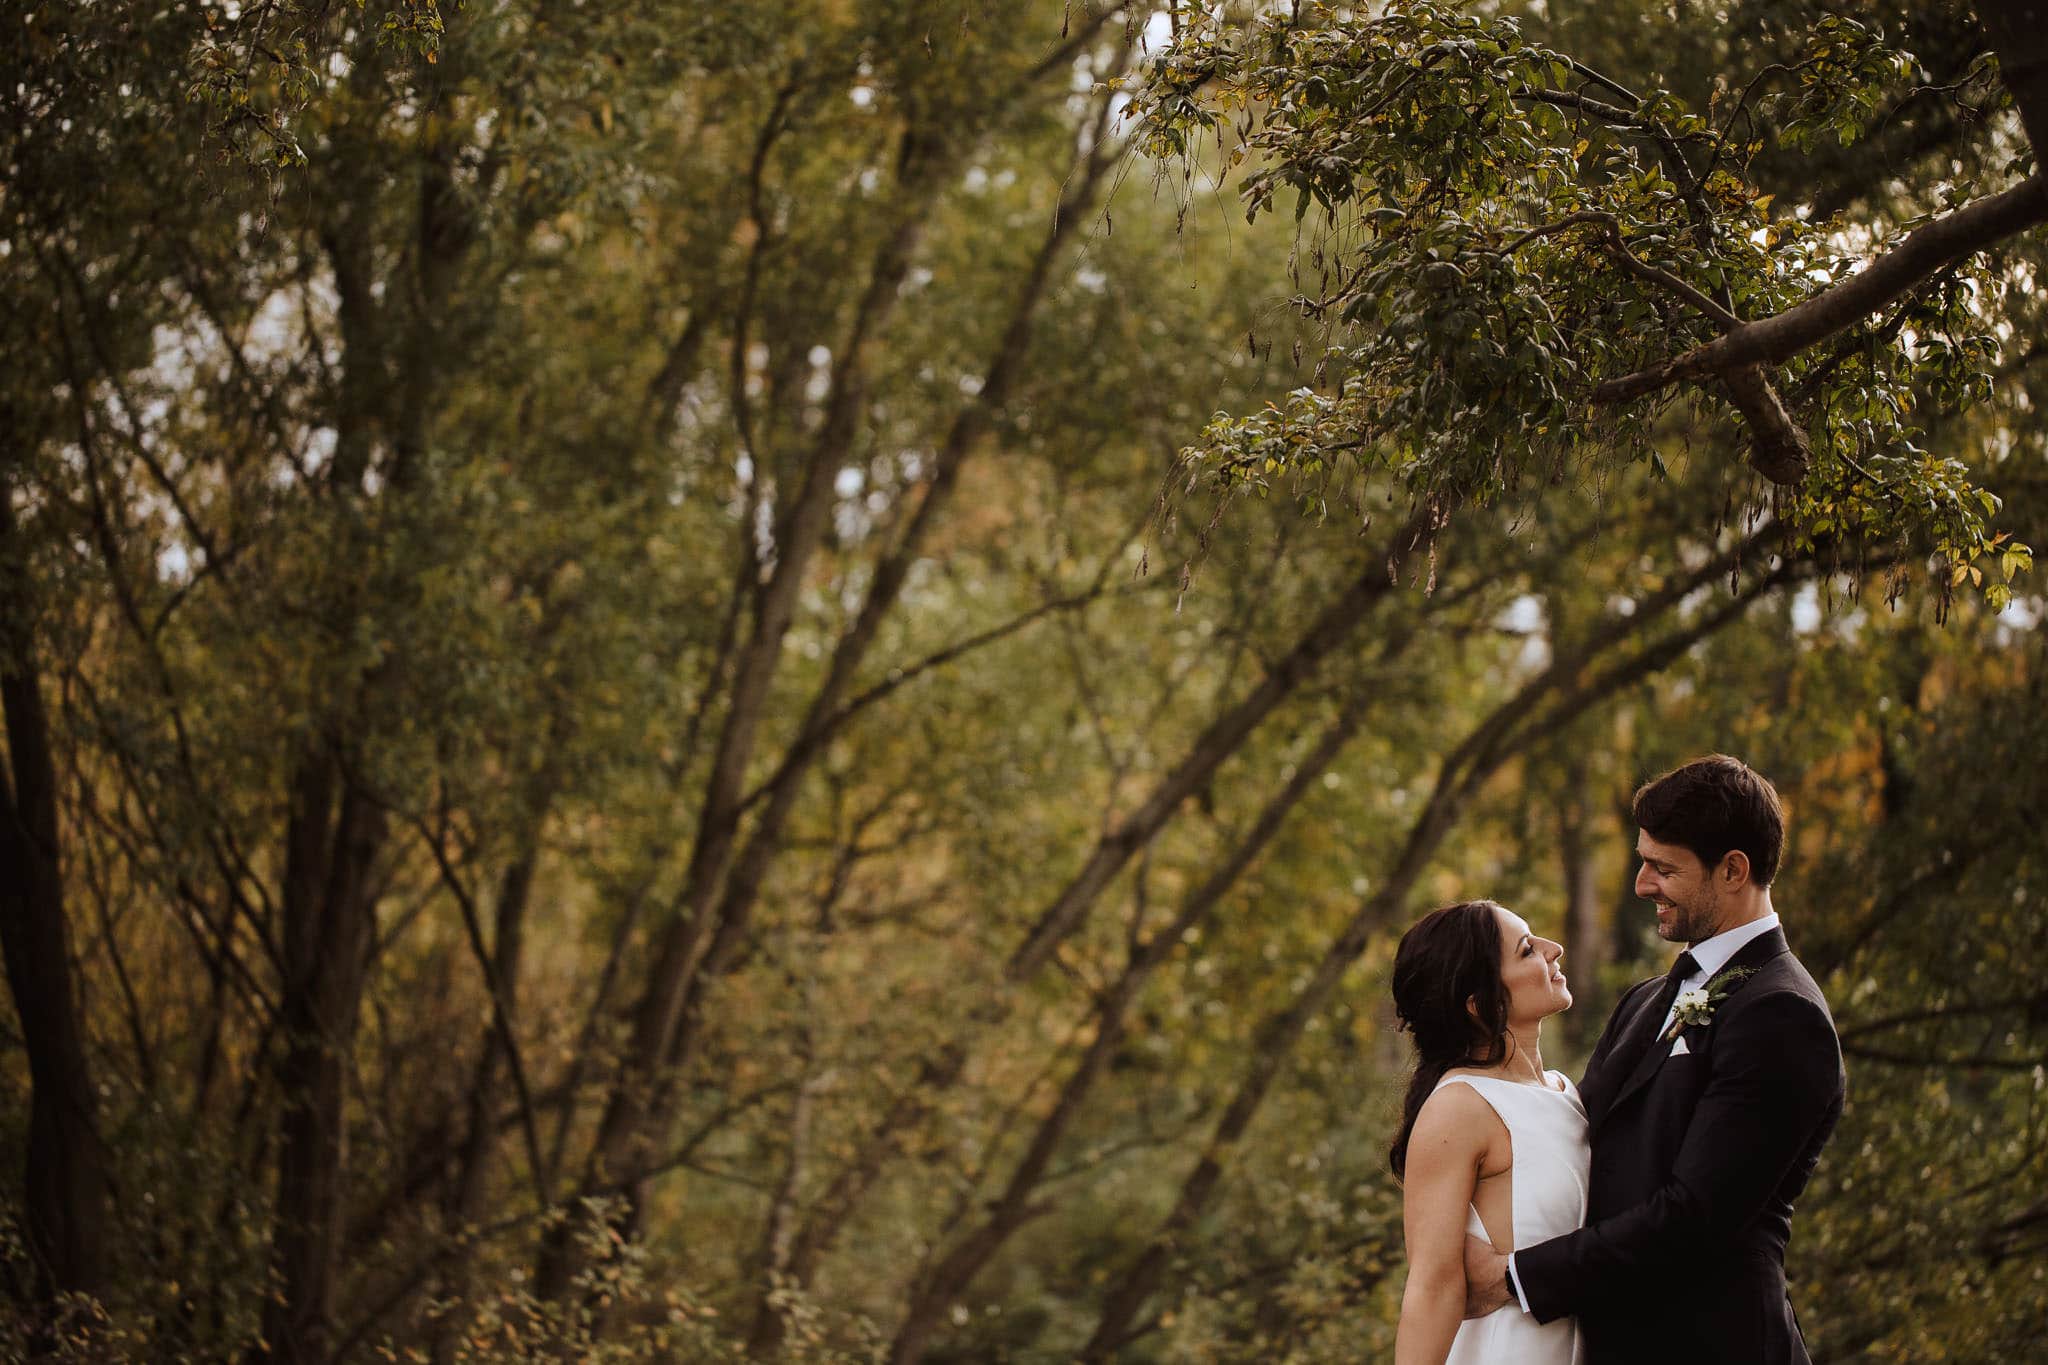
1675, 882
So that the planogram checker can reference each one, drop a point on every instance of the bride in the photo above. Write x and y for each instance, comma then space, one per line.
1490, 1142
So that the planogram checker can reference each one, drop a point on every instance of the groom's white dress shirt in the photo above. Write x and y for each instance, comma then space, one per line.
1709, 957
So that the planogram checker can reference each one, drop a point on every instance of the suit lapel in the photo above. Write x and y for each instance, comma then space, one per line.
1753, 955
1604, 1083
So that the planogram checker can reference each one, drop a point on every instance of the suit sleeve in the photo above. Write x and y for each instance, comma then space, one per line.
1777, 1076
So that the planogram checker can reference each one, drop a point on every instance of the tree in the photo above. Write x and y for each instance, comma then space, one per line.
1531, 259
65, 1174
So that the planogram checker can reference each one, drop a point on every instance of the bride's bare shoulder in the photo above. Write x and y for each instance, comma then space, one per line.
1455, 1128
1456, 1116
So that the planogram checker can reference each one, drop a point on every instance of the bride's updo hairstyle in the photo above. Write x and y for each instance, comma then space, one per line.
1449, 957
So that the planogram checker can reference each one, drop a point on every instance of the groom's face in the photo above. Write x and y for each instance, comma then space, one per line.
1676, 882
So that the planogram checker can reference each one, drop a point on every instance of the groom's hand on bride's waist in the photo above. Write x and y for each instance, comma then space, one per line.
1486, 1278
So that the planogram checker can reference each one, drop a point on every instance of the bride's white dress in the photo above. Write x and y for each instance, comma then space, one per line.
1547, 1128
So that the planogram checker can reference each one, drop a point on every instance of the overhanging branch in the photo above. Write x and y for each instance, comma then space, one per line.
1925, 252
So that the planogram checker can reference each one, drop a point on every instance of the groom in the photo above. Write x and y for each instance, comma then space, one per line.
1708, 1099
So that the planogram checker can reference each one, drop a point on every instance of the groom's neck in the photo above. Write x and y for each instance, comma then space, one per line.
1734, 914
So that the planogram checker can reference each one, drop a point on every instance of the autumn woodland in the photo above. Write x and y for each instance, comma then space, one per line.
767, 681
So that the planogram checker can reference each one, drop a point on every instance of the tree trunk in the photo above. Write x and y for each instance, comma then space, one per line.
626, 1135
956, 1271
779, 1229
1584, 941
1275, 1043
2018, 31
765, 840
329, 923
1625, 926
65, 1191
1541, 709
463, 1203
718, 894
1224, 737
393, 347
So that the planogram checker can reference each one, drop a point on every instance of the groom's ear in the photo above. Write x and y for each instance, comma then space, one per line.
1734, 869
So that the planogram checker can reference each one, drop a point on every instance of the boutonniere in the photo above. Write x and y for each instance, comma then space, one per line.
1697, 1005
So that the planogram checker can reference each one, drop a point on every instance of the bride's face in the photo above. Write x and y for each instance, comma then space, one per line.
1531, 970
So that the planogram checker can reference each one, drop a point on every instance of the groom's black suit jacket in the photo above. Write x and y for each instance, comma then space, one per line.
1696, 1161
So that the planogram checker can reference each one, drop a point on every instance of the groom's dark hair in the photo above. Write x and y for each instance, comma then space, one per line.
1713, 806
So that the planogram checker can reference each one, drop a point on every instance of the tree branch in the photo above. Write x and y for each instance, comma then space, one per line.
1926, 251
1628, 261
2024, 1004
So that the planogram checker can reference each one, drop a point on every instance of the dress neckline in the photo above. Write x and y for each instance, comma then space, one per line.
1563, 1087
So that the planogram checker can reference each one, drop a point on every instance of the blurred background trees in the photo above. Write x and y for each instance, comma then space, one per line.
609, 751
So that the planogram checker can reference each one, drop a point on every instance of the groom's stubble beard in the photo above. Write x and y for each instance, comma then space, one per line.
1692, 921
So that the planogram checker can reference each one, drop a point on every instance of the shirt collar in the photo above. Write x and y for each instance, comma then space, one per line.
1713, 954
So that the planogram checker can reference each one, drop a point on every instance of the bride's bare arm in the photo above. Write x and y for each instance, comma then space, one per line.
1445, 1154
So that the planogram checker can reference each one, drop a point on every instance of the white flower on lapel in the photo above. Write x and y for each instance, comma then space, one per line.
1697, 1005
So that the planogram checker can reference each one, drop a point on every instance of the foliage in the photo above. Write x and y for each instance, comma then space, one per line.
1513, 238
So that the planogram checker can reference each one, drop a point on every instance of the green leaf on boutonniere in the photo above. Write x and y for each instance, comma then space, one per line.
1697, 1005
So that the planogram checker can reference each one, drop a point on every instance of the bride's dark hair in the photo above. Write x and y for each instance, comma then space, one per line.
1449, 957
